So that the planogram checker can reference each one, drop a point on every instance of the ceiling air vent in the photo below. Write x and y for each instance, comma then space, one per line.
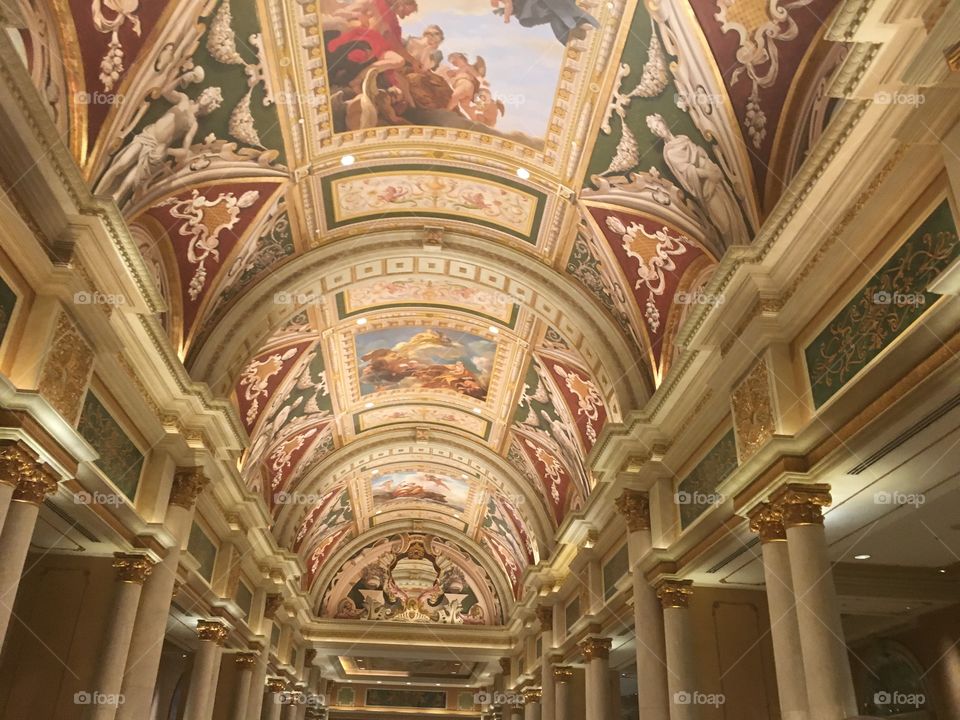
733, 556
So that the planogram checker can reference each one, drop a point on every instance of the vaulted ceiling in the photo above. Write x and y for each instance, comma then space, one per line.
429, 271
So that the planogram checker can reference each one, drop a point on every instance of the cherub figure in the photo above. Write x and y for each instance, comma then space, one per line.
465, 80
485, 108
145, 155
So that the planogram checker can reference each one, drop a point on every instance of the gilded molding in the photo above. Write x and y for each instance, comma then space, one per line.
188, 483
596, 648
212, 630
753, 414
563, 673
245, 661
802, 504
34, 485
132, 567
675, 593
532, 695
276, 685
767, 521
545, 616
635, 508
66, 369
15, 460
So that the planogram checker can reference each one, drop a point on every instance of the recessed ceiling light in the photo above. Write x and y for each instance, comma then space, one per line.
477, 410
361, 321
523, 173
347, 160
494, 330
368, 405
942, 571
862, 557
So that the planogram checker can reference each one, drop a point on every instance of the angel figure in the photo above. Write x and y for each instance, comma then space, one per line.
485, 108
465, 80
563, 16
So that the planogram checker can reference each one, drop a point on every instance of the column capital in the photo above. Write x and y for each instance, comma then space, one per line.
132, 567
34, 484
245, 660
212, 630
562, 673
802, 503
271, 604
309, 656
767, 521
532, 695
276, 685
635, 508
675, 593
188, 483
505, 665
15, 458
596, 648
545, 616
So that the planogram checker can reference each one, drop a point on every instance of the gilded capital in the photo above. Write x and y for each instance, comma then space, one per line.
596, 648
15, 459
245, 661
802, 504
545, 616
188, 483
35, 484
211, 630
675, 593
132, 567
767, 521
563, 673
276, 685
635, 508
532, 695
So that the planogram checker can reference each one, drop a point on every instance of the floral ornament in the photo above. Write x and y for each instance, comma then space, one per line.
552, 469
111, 66
588, 397
758, 49
256, 377
650, 273
205, 220
282, 455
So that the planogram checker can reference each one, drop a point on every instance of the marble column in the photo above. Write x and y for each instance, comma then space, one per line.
681, 683
15, 458
562, 676
132, 570
272, 703
652, 695
596, 654
146, 646
33, 485
245, 664
531, 704
206, 670
830, 694
767, 521
548, 696
516, 712
296, 702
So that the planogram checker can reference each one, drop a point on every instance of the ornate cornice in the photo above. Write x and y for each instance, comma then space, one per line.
212, 630
596, 648
767, 521
802, 504
563, 673
35, 484
245, 661
532, 695
132, 567
276, 685
188, 483
675, 593
635, 508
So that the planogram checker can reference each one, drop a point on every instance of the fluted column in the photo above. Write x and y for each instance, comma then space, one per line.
132, 570
33, 485
830, 694
652, 695
596, 653
245, 663
146, 646
531, 704
674, 598
206, 670
272, 705
548, 696
767, 521
562, 675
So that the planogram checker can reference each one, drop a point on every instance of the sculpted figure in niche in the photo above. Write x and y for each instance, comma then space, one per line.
145, 155
703, 180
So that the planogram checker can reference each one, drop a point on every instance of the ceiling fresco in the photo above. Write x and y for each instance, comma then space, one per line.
431, 250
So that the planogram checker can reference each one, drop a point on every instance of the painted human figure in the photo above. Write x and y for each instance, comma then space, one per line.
465, 79
426, 48
564, 17
144, 156
703, 180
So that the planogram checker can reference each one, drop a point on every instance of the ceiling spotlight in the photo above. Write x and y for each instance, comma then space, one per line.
494, 330
862, 557
477, 411
943, 571
361, 321
523, 173
368, 405
347, 160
